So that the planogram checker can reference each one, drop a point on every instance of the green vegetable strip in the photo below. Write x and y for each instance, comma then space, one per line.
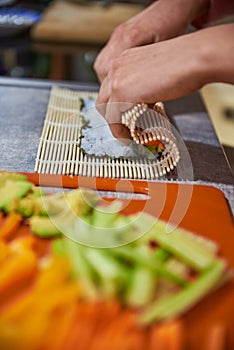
113, 275
104, 217
187, 250
177, 304
58, 247
141, 287
105, 265
141, 255
203, 244
141, 222
177, 267
82, 269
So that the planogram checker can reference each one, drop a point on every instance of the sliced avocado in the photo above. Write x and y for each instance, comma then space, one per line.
43, 227
26, 207
32, 204
11, 192
37, 192
81, 201
5, 176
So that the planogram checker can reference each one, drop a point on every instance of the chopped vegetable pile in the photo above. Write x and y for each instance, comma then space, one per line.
155, 278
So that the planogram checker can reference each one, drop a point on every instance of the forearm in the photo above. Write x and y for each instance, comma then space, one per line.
173, 68
163, 20
218, 54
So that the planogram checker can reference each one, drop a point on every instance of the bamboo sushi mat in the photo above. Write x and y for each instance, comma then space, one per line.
60, 151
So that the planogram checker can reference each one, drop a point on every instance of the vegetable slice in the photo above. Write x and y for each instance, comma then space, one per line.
176, 242
179, 303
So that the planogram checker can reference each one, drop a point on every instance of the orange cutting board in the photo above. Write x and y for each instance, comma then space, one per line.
200, 209
65, 21
205, 211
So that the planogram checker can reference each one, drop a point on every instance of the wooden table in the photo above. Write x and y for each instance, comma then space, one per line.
65, 21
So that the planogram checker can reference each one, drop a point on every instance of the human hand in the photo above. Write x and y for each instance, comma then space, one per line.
167, 70
162, 20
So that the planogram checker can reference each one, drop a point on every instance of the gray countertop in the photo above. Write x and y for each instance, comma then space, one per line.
23, 105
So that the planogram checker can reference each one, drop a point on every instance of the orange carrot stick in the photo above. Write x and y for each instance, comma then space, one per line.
50, 279
158, 337
176, 335
22, 244
10, 225
116, 332
90, 324
169, 336
17, 269
60, 324
216, 337
4, 250
46, 319
87, 318
135, 339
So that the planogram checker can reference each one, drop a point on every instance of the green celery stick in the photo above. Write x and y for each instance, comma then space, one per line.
185, 249
58, 247
141, 255
177, 267
123, 223
111, 272
175, 305
103, 263
142, 223
203, 244
82, 269
104, 217
141, 286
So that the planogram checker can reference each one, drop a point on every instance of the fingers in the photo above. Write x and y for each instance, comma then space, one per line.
103, 96
120, 132
110, 103
125, 36
113, 49
102, 64
117, 94
112, 112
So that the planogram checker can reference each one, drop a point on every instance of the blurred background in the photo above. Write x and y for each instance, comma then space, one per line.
58, 39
